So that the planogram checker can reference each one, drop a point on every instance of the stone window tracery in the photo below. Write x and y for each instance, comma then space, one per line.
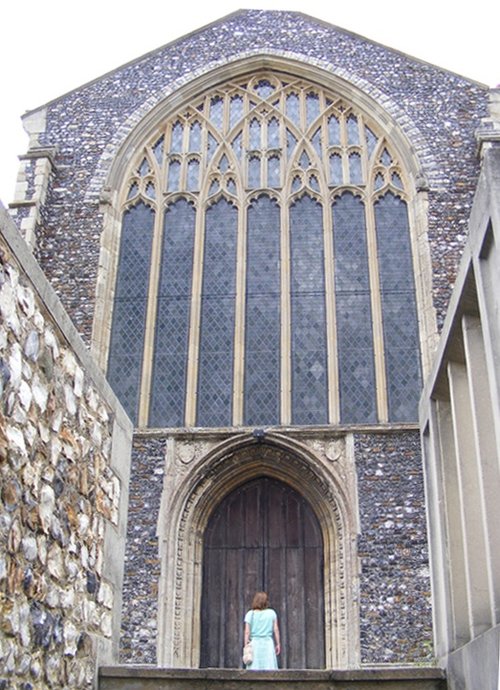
265, 272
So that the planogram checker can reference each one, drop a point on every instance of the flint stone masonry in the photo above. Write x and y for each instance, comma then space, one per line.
395, 598
64, 441
142, 564
438, 111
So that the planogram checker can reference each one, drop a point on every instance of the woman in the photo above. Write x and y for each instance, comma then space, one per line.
261, 626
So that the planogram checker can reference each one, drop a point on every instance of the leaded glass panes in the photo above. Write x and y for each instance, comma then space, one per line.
396, 180
333, 130
314, 182
195, 138
308, 327
217, 111
224, 164
254, 172
211, 145
316, 141
168, 388
353, 312
262, 331
130, 304
193, 175
215, 374
336, 169
158, 149
174, 175
176, 140
273, 134
385, 158
352, 130
399, 311
293, 108
133, 191
273, 171
371, 140
304, 160
264, 88
355, 172
297, 140
312, 107
144, 168
291, 142
237, 145
254, 135
235, 110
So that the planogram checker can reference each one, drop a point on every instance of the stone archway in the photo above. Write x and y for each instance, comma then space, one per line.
200, 472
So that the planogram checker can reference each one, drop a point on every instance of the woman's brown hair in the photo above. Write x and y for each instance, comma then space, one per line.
260, 601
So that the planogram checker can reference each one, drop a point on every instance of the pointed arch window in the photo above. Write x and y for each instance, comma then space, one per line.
265, 272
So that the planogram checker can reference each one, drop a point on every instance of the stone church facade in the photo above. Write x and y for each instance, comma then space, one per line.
255, 230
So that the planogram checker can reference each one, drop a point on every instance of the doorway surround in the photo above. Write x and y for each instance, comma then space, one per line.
201, 468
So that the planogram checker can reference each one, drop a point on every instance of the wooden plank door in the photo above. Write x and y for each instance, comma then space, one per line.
263, 536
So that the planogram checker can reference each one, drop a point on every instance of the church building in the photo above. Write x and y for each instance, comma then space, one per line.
255, 231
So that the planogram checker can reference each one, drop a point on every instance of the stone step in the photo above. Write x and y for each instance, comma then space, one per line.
152, 678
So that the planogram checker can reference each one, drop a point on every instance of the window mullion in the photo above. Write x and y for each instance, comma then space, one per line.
149, 336
331, 326
376, 305
286, 316
239, 321
194, 323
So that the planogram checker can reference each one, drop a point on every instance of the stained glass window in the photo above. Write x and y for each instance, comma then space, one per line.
217, 316
399, 311
195, 138
308, 327
273, 133
353, 310
168, 389
281, 216
262, 332
130, 305
174, 175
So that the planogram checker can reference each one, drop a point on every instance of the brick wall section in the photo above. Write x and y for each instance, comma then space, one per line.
60, 496
395, 607
438, 110
142, 565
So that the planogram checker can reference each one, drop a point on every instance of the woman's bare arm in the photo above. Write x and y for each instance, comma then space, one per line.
276, 631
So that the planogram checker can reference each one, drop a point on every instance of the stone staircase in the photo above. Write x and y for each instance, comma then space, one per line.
387, 678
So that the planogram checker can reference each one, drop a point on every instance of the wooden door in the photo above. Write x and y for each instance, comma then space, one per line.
263, 536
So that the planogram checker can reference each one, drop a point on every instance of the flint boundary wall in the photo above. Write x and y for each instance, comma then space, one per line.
64, 471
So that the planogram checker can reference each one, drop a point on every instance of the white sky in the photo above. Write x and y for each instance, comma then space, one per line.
49, 47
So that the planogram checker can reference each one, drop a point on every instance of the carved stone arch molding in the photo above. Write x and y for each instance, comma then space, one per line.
200, 473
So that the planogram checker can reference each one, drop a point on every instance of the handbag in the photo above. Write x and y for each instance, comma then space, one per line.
248, 653
248, 649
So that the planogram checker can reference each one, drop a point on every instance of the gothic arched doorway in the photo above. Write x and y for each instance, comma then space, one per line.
263, 535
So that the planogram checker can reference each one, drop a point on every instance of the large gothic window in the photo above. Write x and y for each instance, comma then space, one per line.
265, 273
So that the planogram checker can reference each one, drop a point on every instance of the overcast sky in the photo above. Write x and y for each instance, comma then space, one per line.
49, 47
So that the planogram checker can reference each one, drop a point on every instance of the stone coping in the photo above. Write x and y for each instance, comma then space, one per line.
27, 264
371, 673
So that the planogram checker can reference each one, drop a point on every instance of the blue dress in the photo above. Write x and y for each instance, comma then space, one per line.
261, 633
